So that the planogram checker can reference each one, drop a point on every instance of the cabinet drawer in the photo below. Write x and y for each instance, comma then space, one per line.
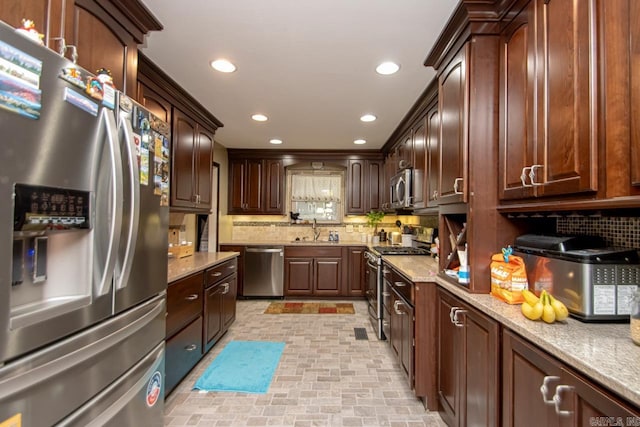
403, 286
219, 271
184, 302
312, 251
183, 352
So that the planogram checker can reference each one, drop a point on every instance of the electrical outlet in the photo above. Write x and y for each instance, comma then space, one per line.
349, 228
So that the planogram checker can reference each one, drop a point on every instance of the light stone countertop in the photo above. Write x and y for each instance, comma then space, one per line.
603, 352
183, 267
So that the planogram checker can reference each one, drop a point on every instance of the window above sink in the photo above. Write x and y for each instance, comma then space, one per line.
316, 194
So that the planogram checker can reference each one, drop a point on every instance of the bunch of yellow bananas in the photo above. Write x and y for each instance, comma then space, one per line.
546, 307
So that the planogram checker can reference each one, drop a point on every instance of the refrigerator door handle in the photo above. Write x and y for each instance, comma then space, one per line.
134, 194
115, 159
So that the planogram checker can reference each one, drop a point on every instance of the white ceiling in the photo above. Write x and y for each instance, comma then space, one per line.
307, 65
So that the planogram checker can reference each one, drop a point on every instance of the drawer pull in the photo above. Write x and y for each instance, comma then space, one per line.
400, 284
545, 390
231, 267
226, 288
191, 347
396, 307
192, 297
216, 274
386, 294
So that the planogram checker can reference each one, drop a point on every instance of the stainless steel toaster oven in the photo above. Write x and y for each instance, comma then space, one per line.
594, 281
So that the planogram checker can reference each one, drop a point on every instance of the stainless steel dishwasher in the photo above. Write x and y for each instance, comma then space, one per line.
263, 271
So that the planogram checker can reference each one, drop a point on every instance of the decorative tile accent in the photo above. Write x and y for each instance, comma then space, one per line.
616, 231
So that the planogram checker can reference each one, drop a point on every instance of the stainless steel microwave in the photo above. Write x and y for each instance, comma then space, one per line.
402, 190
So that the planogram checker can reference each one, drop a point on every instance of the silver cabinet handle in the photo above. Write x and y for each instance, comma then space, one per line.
544, 388
192, 297
385, 323
452, 311
216, 274
226, 288
386, 294
400, 284
396, 306
456, 182
231, 267
190, 347
557, 400
455, 319
532, 174
524, 175
385, 271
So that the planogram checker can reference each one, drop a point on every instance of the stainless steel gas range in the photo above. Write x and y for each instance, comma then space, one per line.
373, 274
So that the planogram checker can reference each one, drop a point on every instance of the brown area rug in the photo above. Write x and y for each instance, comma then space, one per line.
310, 308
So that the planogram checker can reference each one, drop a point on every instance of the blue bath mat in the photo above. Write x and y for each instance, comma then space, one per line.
242, 366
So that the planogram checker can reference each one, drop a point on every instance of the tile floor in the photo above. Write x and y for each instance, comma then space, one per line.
325, 377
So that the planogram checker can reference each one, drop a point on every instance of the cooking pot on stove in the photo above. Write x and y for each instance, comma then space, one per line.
395, 238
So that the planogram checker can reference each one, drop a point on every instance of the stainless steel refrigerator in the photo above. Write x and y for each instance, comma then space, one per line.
83, 246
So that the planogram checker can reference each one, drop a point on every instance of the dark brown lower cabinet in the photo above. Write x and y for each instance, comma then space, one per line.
183, 351
313, 271
402, 318
467, 364
213, 314
539, 390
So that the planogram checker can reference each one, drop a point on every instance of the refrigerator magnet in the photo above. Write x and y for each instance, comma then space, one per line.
72, 75
144, 166
83, 103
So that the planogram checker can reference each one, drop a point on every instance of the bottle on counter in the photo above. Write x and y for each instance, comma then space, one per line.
331, 238
336, 236
383, 235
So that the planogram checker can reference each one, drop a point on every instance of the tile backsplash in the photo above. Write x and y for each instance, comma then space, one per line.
616, 231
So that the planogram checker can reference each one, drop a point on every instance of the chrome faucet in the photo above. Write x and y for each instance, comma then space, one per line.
316, 232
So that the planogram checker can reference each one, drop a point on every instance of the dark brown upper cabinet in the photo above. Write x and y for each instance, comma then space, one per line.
245, 186
453, 101
105, 33
548, 108
192, 137
363, 186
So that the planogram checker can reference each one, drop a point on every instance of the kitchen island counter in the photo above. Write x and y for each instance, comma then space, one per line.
603, 352
183, 267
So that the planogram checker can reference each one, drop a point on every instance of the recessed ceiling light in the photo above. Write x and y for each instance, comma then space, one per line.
368, 118
387, 68
259, 117
360, 141
223, 66
275, 141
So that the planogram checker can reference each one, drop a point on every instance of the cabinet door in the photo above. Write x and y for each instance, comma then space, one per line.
448, 365
355, 187
253, 187
634, 167
213, 313
327, 276
407, 354
274, 187
419, 164
405, 151
373, 178
298, 276
102, 43
567, 129
517, 118
389, 171
524, 369
453, 106
154, 102
203, 169
183, 145
230, 293
433, 155
357, 272
237, 174
480, 364
45, 15
395, 340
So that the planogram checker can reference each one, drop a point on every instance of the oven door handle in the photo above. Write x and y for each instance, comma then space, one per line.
375, 267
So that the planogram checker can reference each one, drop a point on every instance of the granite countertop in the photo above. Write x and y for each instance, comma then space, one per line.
602, 351
183, 267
